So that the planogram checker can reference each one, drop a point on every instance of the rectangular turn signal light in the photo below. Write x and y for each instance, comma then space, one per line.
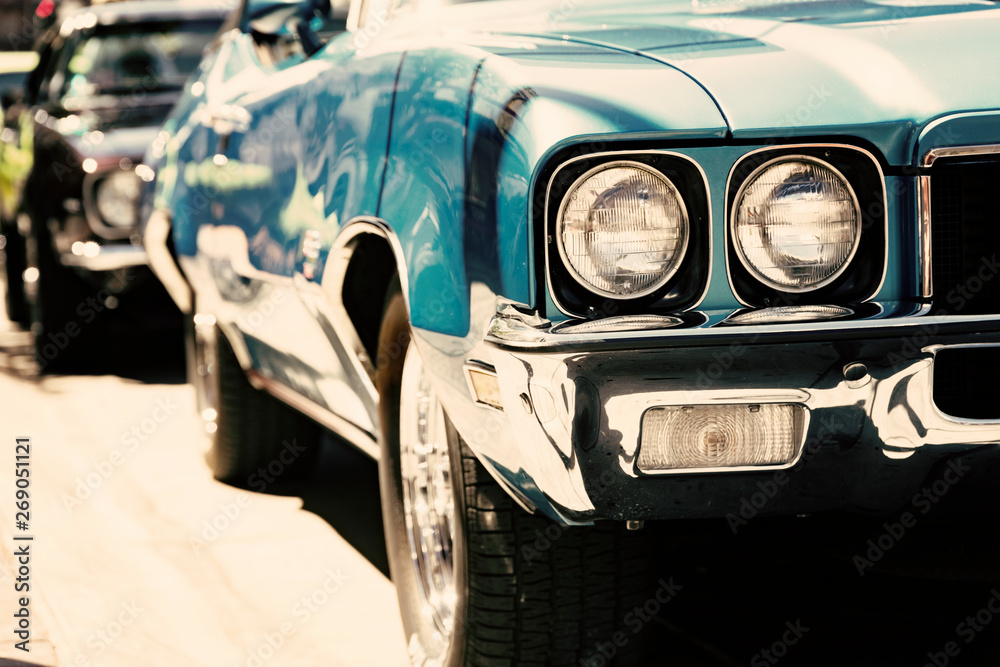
716, 437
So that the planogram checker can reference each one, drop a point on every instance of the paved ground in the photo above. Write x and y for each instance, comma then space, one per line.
141, 559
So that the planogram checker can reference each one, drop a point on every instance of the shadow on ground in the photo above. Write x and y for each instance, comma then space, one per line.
779, 591
343, 490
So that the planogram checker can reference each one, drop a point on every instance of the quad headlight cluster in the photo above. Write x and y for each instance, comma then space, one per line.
634, 230
796, 223
623, 230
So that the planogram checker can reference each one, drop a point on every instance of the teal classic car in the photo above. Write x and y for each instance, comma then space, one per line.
567, 267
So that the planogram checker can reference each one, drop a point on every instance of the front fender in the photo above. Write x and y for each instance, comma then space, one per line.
466, 149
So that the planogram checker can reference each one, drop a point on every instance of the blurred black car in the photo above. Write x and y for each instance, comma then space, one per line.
107, 77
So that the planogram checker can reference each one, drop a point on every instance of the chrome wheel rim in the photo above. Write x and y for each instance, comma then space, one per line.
428, 501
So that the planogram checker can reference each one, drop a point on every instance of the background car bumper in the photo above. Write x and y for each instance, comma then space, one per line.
106, 258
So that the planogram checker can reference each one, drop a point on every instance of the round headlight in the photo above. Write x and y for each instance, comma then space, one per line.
117, 199
622, 230
796, 223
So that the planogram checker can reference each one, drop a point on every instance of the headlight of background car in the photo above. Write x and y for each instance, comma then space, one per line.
117, 198
796, 223
622, 230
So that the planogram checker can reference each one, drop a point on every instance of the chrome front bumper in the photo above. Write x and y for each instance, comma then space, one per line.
874, 432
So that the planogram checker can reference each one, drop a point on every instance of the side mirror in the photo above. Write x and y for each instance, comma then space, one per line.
275, 17
286, 17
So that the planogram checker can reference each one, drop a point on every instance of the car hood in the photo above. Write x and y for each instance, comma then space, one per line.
799, 67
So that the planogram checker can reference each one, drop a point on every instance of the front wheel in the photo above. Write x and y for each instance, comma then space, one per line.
256, 439
480, 581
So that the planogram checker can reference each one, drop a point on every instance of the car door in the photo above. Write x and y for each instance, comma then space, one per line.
299, 145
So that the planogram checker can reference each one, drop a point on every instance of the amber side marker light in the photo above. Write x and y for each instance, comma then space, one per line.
484, 386
720, 437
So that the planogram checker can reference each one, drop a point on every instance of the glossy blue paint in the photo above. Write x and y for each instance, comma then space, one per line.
442, 126
424, 195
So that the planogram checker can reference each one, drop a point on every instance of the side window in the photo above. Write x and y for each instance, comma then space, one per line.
292, 27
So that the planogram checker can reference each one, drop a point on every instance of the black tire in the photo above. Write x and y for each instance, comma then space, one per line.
15, 262
258, 439
529, 592
67, 327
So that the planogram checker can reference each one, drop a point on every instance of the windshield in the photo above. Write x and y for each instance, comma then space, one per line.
129, 59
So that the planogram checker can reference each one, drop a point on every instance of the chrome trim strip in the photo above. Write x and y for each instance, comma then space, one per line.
924, 236
590, 156
154, 239
343, 428
931, 156
924, 218
512, 329
885, 212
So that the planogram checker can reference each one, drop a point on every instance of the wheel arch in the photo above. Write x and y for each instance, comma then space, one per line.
360, 272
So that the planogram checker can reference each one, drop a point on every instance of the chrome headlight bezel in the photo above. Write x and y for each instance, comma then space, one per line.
675, 262
96, 219
119, 179
734, 221
864, 274
679, 289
